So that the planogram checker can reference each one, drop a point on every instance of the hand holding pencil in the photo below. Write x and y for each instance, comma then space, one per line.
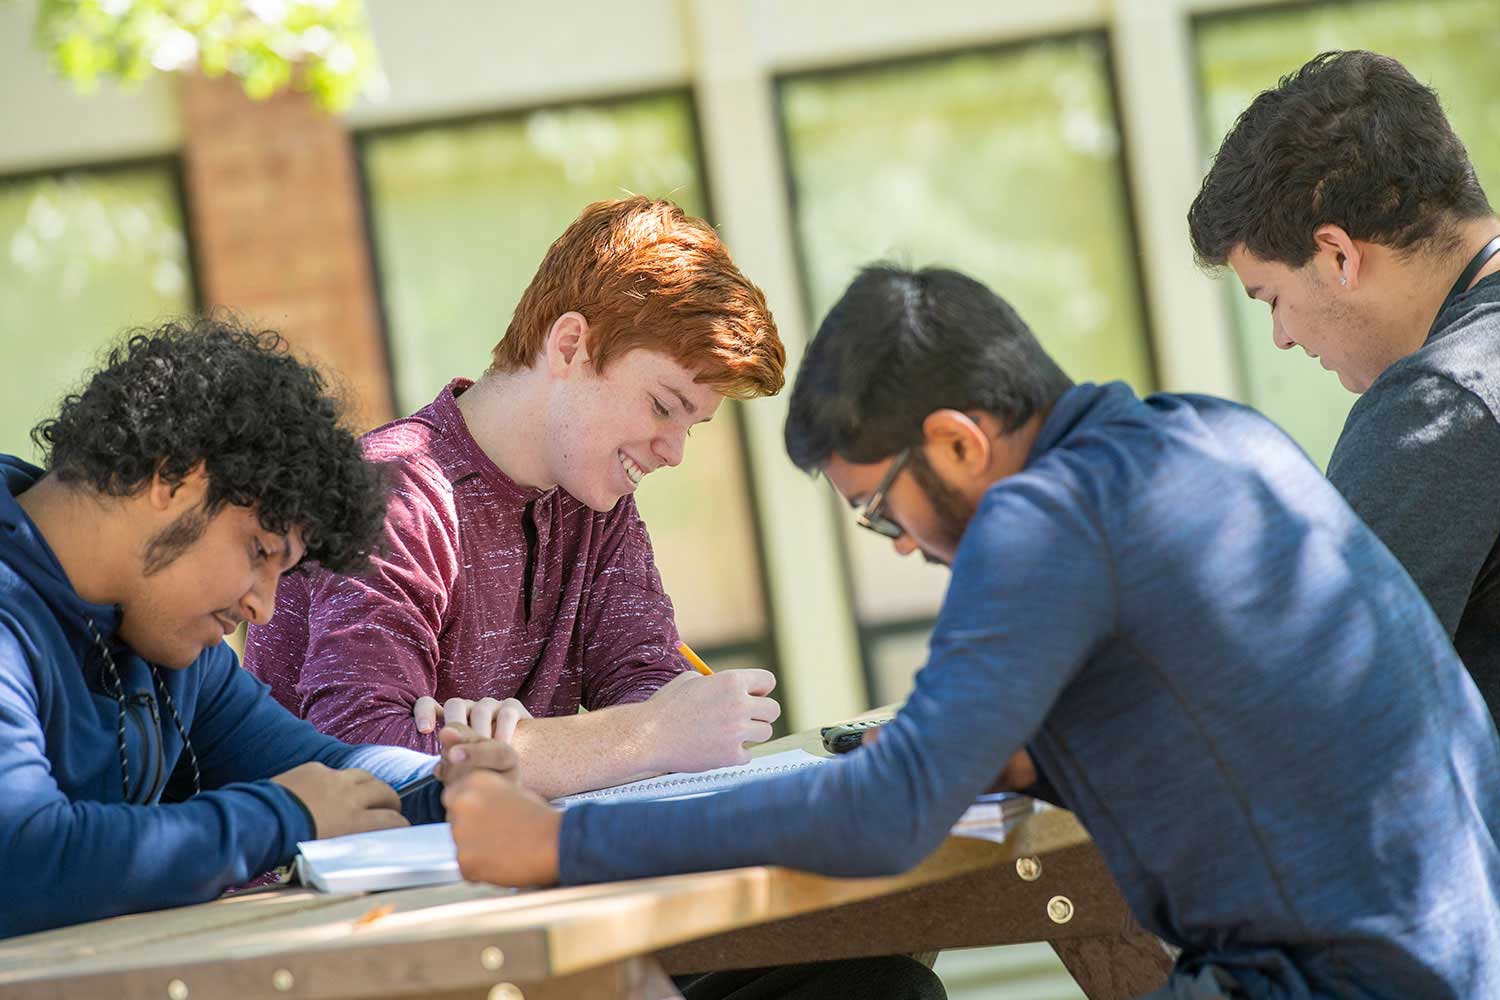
694, 660
701, 720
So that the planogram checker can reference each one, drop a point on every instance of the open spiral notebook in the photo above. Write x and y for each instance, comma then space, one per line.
678, 786
424, 855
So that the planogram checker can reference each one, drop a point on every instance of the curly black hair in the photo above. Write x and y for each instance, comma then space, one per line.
264, 426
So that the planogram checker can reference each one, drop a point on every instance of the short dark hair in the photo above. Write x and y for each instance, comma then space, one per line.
901, 344
262, 423
1350, 139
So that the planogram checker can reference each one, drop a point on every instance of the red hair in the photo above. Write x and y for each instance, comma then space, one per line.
645, 274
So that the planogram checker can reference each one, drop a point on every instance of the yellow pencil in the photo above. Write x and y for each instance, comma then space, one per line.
694, 659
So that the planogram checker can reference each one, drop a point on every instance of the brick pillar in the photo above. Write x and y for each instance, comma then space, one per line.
279, 231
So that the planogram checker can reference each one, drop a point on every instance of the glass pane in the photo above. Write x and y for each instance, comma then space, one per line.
704, 536
462, 216
736, 657
1448, 44
888, 587
1006, 165
895, 659
86, 256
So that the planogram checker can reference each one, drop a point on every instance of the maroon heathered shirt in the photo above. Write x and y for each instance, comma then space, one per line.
484, 589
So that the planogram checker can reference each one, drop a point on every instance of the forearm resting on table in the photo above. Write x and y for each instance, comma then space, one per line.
576, 753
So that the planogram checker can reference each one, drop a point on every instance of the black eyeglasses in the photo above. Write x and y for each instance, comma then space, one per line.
871, 516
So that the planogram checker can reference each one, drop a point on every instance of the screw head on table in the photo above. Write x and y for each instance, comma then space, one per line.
492, 958
1060, 909
1030, 869
282, 980
505, 991
177, 990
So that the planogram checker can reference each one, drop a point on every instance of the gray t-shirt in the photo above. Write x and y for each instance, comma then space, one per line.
1419, 461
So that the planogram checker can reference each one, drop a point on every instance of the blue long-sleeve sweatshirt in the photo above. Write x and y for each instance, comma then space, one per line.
1226, 676
72, 846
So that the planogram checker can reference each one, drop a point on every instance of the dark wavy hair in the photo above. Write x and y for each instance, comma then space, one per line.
264, 426
1350, 139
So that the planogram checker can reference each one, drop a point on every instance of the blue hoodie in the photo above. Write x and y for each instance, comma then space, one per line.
73, 846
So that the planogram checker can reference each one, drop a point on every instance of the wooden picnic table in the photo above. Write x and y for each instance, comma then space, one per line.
1045, 882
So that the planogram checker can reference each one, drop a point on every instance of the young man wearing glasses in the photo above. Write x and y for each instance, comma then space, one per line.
1222, 672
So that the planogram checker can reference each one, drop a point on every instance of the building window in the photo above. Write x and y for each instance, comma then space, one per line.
1005, 164
462, 214
88, 254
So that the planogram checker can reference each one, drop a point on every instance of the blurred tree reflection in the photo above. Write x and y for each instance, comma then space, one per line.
86, 255
1003, 164
321, 46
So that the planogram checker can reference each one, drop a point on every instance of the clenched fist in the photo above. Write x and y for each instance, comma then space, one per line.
504, 834
340, 802
700, 722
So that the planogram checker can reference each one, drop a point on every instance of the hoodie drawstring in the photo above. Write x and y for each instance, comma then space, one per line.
117, 692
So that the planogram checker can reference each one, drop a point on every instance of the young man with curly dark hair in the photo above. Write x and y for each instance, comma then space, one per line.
1343, 199
141, 767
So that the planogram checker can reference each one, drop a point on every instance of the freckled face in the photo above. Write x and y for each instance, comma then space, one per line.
609, 431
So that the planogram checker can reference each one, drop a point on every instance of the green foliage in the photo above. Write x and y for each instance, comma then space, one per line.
321, 46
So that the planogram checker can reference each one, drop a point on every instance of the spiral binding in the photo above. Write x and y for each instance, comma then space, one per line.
667, 782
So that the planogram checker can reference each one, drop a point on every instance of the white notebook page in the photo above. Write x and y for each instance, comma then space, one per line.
676, 786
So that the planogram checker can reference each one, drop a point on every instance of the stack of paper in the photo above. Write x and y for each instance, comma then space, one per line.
992, 816
382, 859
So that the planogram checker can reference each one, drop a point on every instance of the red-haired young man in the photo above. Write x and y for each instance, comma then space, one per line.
516, 581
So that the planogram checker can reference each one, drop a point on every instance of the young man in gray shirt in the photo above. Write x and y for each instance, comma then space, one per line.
1343, 199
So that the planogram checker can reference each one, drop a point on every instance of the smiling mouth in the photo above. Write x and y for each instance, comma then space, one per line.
633, 472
